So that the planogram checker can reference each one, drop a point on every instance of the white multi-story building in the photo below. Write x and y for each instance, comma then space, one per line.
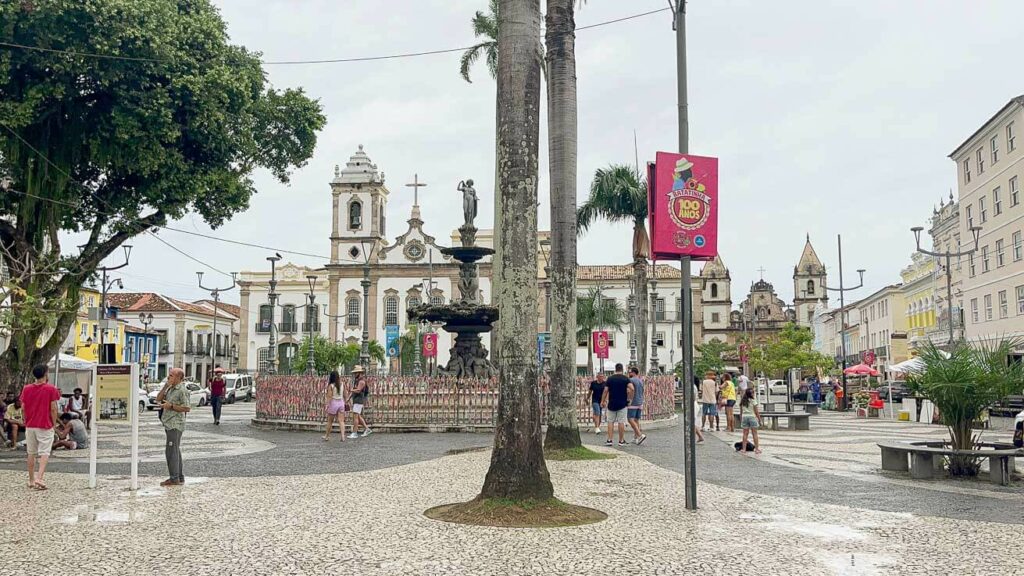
990, 176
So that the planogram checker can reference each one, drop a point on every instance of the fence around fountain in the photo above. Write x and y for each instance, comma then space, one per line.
435, 404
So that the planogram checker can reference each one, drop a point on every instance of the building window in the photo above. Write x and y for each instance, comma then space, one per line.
1014, 191
659, 309
970, 217
967, 171
993, 145
984, 259
412, 301
1011, 139
266, 318
288, 319
659, 338
355, 215
714, 290
391, 311
263, 359
437, 300
85, 327
997, 203
999, 254
810, 288
1020, 299
974, 310
352, 312
979, 156
1018, 248
988, 307
1003, 305
312, 323
715, 317
982, 211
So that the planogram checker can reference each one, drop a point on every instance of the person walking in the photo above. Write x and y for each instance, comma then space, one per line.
39, 401
750, 420
335, 405
596, 392
708, 400
360, 391
618, 394
174, 401
217, 387
636, 406
729, 397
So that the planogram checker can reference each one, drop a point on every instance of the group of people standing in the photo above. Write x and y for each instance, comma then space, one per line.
618, 400
720, 393
339, 396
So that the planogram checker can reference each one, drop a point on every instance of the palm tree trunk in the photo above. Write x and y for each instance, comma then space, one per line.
642, 337
517, 469
563, 430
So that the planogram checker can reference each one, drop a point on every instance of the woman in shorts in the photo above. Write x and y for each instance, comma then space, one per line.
750, 420
335, 405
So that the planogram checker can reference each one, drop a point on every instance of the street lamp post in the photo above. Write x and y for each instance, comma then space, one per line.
632, 327
842, 311
272, 296
547, 301
653, 282
103, 300
311, 320
215, 292
976, 232
146, 320
600, 322
364, 351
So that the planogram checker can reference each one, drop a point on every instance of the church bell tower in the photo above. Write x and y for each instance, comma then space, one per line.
808, 285
359, 206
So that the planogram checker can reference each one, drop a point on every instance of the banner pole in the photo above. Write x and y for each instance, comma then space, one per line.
135, 424
690, 440
93, 440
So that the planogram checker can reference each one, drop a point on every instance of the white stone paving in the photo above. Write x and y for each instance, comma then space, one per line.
371, 523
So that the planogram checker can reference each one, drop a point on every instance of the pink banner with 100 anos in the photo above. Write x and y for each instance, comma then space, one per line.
683, 206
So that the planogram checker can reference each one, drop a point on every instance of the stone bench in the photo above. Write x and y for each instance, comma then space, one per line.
924, 464
808, 407
795, 420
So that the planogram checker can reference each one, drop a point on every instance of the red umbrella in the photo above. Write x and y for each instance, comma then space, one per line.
861, 370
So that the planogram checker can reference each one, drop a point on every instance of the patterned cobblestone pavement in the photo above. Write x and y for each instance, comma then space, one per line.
371, 523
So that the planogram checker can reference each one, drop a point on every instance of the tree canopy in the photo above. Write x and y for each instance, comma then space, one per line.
129, 113
790, 348
711, 357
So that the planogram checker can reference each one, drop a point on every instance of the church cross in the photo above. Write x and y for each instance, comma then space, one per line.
416, 185
762, 271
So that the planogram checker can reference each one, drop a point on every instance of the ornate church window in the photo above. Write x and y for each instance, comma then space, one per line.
352, 312
714, 290
810, 287
391, 311
355, 215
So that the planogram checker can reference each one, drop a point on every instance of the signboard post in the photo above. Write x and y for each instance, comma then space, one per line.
601, 344
114, 386
683, 214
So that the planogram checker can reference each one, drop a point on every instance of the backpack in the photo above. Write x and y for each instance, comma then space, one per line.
1018, 435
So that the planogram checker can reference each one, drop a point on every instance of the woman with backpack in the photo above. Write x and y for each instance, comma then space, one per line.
335, 405
750, 420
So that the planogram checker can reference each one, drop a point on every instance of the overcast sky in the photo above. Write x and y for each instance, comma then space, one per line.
828, 118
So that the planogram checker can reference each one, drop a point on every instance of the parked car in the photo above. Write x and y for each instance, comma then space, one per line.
899, 390
778, 387
197, 395
239, 387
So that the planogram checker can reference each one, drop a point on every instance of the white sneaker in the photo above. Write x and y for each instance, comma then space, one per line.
353, 435
597, 430
367, 432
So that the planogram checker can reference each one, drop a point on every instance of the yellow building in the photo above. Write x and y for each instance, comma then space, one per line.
86, 335
919, 298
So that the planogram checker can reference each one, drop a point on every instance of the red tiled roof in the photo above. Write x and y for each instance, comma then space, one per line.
153, 302
232, 309
621, 272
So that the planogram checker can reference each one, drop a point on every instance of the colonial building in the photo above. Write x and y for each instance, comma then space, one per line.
990, 173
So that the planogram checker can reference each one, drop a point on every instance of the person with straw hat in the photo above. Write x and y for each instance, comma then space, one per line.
360, 391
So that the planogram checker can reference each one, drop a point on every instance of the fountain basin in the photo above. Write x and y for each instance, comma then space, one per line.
457, 317
467, 254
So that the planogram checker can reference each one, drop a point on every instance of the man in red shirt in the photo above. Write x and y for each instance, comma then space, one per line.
217, 389
40, 403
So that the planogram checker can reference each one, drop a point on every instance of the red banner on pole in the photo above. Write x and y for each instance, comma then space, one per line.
601, 344
430, 345
683, 206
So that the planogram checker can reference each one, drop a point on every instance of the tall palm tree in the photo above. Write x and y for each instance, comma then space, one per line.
592, 314
618, 193
563, 430
484, 26
517, 470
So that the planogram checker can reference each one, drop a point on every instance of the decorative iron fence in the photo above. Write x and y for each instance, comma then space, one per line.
428, 402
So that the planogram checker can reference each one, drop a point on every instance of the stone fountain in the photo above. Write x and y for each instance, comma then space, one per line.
468, 317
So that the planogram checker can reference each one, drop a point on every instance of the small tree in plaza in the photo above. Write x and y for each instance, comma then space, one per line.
594, 314
173, 120
711, 357
962, 384
791, 348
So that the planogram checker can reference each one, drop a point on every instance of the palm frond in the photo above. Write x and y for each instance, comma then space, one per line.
469, 57
618, 193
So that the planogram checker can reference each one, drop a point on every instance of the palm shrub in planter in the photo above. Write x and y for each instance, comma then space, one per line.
963, 385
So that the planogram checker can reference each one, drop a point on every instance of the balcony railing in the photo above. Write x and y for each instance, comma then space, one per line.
287, 327
306, 328
190, 349
263, 328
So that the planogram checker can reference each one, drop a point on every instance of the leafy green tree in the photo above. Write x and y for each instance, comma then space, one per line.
963, 384
593, 314
618, 193
173, 120
711, 357
327, 355
790, 348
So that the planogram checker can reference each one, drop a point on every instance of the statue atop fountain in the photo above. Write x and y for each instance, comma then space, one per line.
468, 317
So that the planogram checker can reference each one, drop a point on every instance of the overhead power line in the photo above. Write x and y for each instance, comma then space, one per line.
17, 46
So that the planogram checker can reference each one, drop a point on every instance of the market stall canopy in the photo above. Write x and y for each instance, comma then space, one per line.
69, 362
861, 370
74, 373
912, 366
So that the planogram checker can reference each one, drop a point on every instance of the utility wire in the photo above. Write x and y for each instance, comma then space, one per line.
13, 45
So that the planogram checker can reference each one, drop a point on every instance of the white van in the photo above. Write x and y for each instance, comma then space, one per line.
238, 387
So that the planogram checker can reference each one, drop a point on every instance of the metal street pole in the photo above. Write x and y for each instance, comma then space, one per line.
103, 301
272, 296
215, 292
976, 232
146, 320
311, 320
842, 313
686, 296
655, 367
632, 326
600, 322
364, 351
